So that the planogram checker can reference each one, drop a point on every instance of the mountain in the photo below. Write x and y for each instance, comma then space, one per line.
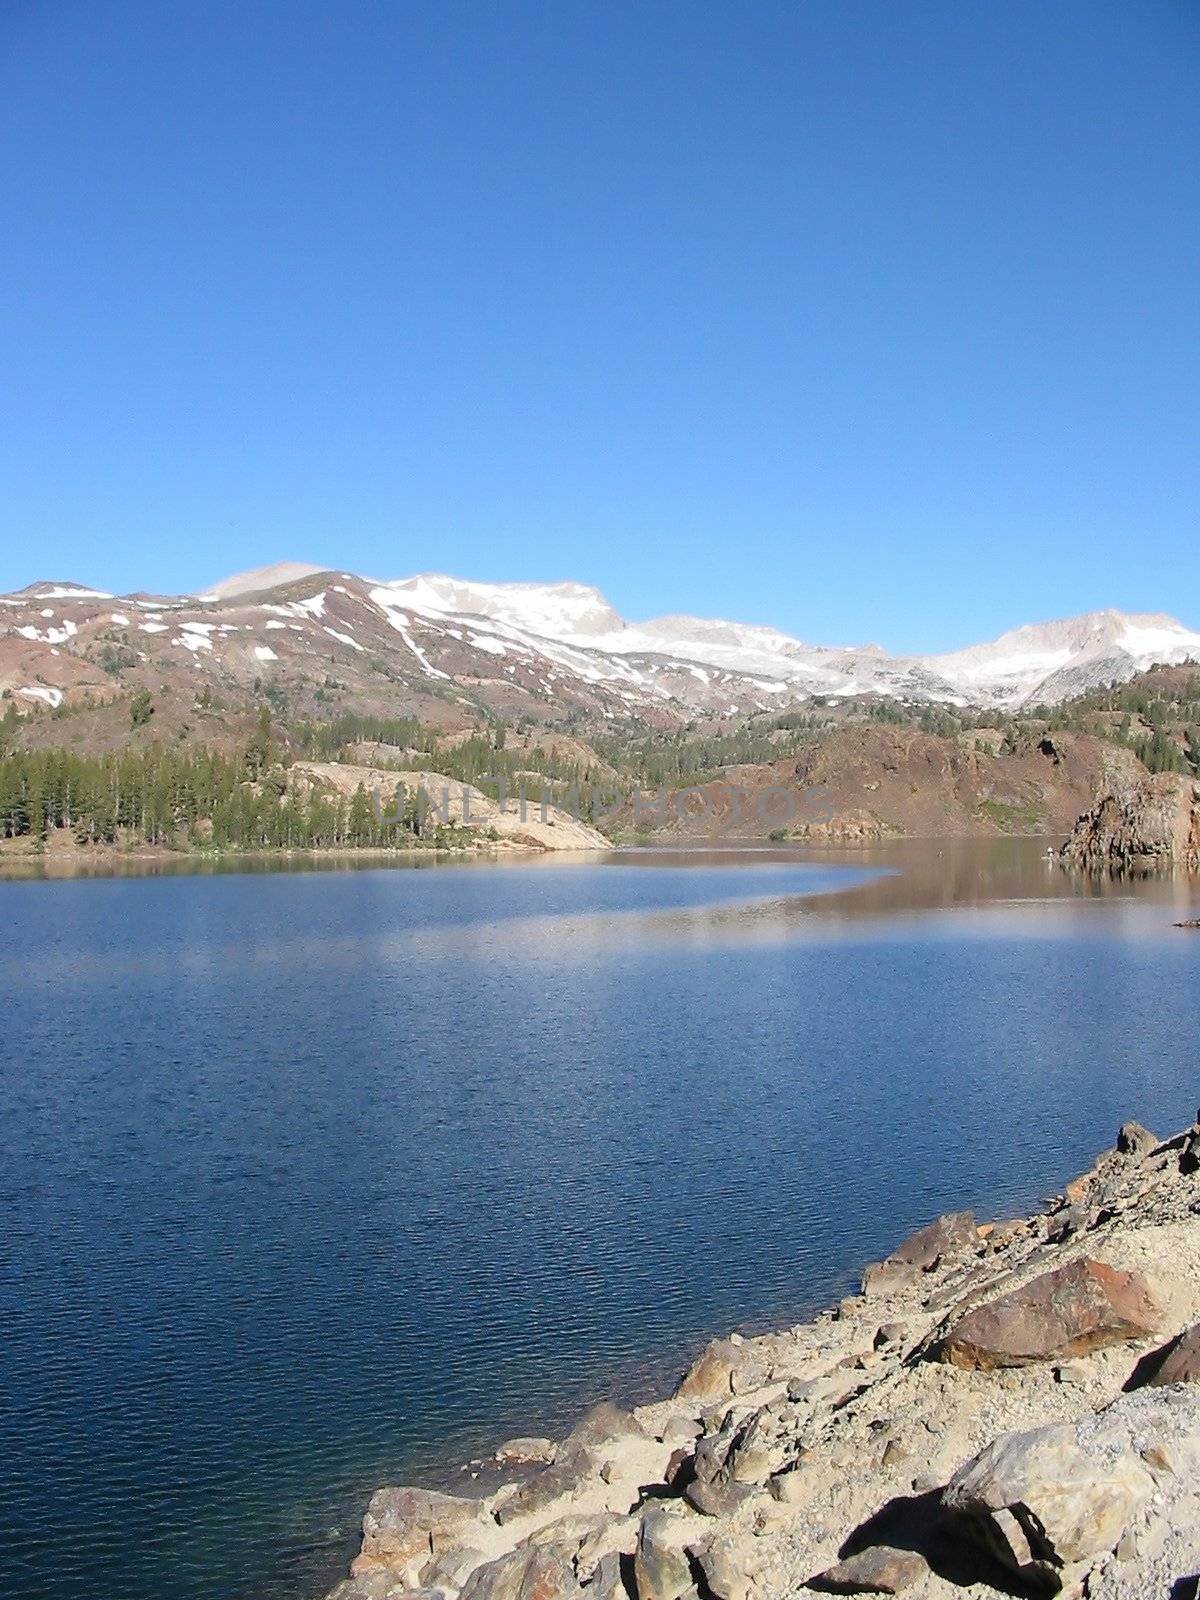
445, 649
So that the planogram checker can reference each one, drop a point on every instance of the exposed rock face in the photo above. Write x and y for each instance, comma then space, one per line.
529, 824
1139, 826
1068, 1312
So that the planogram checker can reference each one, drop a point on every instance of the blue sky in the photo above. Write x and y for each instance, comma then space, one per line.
869, 318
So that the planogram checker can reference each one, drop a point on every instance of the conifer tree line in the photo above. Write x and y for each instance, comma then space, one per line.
185, 799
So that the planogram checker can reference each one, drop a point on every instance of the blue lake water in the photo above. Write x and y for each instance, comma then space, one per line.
313, 1181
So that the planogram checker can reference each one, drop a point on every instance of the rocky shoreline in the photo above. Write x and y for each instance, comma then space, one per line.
1005, 1408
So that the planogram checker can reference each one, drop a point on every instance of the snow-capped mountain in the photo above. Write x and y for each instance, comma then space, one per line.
418, 643
1038, 661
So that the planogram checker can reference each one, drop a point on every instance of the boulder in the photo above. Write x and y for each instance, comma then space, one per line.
1070, 1311
448, 1571
1043, 1506
661, 1568
878, 1570
729, 1565
1052, 1503
888, 1277
530, 1572
605, 1581
1134, 1140
710, 1376
371, 1586
603, 1425
1181, 1363
556, 1482
402, 1524
950, 1235
716, 1497
603, 1434
680, 1429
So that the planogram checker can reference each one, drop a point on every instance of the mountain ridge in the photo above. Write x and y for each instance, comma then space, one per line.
526, 649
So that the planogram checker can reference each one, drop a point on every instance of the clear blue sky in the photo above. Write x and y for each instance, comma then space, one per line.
875, 319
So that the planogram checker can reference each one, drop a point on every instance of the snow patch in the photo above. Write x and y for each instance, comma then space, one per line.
344, 638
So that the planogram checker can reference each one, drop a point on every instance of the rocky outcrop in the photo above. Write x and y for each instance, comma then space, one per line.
1054, 1446
1139, 826
522, 822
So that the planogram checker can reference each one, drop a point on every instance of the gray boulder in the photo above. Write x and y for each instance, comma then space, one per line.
1051, 1503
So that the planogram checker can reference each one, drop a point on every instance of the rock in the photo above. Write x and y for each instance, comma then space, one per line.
450, 1570
555, 1482
614, 1536
603, 1425
530, 1572
526, 1452
1053, 1502
1003, 1233
729, 1565
888, 1277
794, 1487
1182, 1360
371, 1586
402, 1524
714, 1498
1134, 1140
603, 1436
891, 1333
878, 1570
1189, 1155
1037, 1502
1083, 1306
1072, 1219
661, 1567
950, 1235
1079, 1190
681, 1430
606, 1582
1070, 1372
711, 1374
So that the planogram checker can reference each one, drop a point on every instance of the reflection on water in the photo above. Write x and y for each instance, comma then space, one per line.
318, 1180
